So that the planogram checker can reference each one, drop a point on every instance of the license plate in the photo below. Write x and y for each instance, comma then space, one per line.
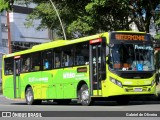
138, 89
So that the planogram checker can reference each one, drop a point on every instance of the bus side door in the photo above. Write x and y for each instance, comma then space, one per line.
16, 77
97, 65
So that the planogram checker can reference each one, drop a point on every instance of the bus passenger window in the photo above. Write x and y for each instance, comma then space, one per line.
25, 63
35, 61
57, 62
82, 54
47, 59
25, 68
46, 64
8, 66
64, 60
80, 60
70, 61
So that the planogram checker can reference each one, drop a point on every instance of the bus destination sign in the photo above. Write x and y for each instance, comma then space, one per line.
130, 37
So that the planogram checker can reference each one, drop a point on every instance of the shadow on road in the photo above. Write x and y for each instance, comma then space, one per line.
97, 103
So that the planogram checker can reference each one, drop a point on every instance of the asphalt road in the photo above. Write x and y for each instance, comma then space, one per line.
108, 107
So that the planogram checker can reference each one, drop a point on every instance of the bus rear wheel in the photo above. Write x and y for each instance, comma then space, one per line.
30, 97
84, 96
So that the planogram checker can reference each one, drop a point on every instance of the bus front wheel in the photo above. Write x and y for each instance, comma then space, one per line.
84, 96
30, 97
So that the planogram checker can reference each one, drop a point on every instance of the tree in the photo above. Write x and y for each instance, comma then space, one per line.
87, 17
157, 15
4, 5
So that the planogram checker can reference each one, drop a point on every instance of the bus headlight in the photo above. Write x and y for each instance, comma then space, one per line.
153, 82
116, 82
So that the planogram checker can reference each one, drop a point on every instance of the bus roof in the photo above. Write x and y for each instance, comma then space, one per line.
54, 44
58, 43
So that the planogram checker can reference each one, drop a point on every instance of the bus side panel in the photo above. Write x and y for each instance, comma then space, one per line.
8, 86
24, 80
34, 80
23, 85
62, 79
65, 82
48, 88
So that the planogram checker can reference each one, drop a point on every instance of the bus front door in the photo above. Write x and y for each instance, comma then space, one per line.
96, 62
16, 78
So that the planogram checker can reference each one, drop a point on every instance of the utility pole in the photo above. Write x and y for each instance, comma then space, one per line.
8, 24
9, 32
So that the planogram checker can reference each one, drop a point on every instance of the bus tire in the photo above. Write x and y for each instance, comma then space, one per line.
30, 97
84, 96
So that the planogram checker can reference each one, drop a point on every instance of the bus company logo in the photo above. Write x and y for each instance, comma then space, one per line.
69, 75
34, 79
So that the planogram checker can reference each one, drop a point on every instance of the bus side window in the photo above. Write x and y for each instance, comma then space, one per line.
25, 63
8, 62
47, 59
57, 62
35, 61
57, 58
70, 61
65, 60
80, 60
68, 55
82, 53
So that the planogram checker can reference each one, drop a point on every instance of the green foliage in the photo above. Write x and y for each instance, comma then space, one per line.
87, 17
157, 36
81, 17
4, 5
78, 28
158, 24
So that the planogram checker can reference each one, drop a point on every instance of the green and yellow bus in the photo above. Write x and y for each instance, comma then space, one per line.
116, 64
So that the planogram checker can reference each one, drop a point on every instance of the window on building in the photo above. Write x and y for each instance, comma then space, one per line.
8, 66
4, 27
5, 42
4, 13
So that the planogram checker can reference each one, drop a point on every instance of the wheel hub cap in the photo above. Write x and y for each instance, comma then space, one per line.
29, 96
85, 95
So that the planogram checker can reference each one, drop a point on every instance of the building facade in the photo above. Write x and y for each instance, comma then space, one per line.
15, 36
3, 37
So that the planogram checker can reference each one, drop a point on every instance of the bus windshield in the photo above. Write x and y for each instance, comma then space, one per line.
131, 57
